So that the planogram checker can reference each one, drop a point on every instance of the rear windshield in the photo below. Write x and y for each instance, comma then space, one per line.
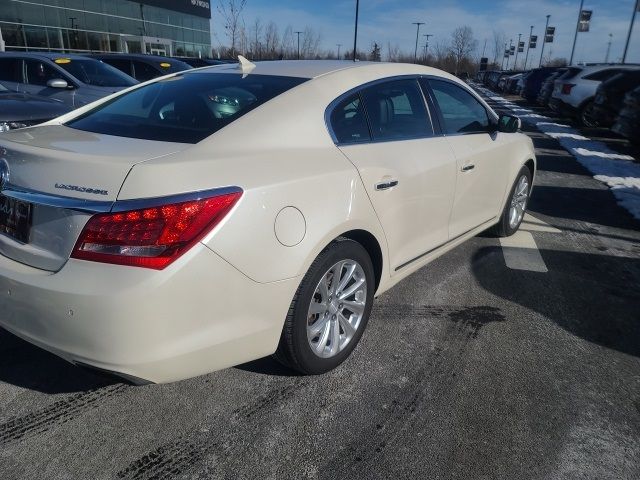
95, 72
186, 108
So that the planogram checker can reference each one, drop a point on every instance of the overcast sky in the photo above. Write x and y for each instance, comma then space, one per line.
386, 21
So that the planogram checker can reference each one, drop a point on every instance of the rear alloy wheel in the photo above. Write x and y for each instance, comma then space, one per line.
586, 116
330, 309
516, 206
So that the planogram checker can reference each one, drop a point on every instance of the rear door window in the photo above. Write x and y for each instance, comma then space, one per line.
185, 108
348, 121
397, 111
11, 69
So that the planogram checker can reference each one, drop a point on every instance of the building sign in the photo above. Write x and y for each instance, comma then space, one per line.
200, 8
551, 31
533, 41
585, 19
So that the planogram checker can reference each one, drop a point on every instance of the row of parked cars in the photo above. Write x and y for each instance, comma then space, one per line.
595, 95
36, 87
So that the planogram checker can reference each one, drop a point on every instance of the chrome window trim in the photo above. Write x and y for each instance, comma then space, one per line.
96, 206
358, 90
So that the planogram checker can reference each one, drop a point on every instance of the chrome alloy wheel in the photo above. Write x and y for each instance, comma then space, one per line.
519, 202
337, 307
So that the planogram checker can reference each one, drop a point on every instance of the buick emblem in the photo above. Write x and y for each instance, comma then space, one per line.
4, 173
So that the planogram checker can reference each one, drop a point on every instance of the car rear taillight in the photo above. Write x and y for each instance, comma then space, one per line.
566, 88
151, 237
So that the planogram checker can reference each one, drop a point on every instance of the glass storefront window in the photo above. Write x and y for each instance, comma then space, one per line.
98, 25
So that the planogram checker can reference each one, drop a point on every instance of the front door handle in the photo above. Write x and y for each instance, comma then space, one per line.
468, 167
386, 185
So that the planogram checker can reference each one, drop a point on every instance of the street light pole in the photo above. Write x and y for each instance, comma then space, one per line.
426, 46
575, 36
339, 45
415, 55
298, 43
526, 58
515, 64
633, 19
606, 58
544, 39
355, 35
504, 54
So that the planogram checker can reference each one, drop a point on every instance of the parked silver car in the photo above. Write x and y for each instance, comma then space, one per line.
73, 79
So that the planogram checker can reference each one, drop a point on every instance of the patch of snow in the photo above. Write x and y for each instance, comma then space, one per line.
617, 171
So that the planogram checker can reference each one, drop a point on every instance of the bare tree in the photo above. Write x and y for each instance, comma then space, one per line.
309, 43
393, 52
499, 40
256, 35
271, 40
462, 44
231, 12
286, 47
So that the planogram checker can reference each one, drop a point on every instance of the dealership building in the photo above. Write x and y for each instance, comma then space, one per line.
160, 27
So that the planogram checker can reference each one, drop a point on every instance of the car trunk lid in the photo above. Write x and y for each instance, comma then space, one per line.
57, 176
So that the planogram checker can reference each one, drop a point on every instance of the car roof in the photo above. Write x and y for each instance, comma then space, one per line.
139, 56
47, 55
317, 68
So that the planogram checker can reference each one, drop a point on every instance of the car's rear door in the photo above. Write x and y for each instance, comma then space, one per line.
481, 156
409, 172
11, 73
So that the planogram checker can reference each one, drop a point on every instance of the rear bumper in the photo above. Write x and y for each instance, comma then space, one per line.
198, 315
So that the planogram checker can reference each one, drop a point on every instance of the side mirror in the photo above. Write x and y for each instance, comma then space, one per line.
509, 124
57, 83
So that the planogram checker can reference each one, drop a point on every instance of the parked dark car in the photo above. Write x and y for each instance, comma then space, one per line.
203, 62
546, 90
142, 67
492, 77
18, 110
512, 83
628, 122
532, 83
74, 79
609, 99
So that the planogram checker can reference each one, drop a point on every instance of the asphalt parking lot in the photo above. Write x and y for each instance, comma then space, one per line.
494, 362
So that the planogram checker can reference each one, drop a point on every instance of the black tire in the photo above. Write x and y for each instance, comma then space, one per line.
294, 350
585, 117
503, 227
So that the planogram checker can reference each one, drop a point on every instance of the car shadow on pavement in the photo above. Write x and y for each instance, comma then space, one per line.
592, 205
592, 296
268, 366
27, 366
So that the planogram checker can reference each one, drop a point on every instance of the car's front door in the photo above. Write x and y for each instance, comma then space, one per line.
480, 155
386, 132
38, 73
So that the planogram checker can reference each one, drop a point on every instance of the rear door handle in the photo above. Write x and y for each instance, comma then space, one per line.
386, 185
468, 167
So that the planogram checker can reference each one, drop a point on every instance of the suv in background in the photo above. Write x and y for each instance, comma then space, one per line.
142, 67
73, 79
533, 80
574, 92
609, 98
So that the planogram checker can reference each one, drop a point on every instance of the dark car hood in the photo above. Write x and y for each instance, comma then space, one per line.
19, 107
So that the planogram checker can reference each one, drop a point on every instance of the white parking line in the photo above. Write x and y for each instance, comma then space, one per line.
521, 253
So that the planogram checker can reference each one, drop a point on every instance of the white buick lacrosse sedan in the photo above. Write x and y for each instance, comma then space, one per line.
224, 214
